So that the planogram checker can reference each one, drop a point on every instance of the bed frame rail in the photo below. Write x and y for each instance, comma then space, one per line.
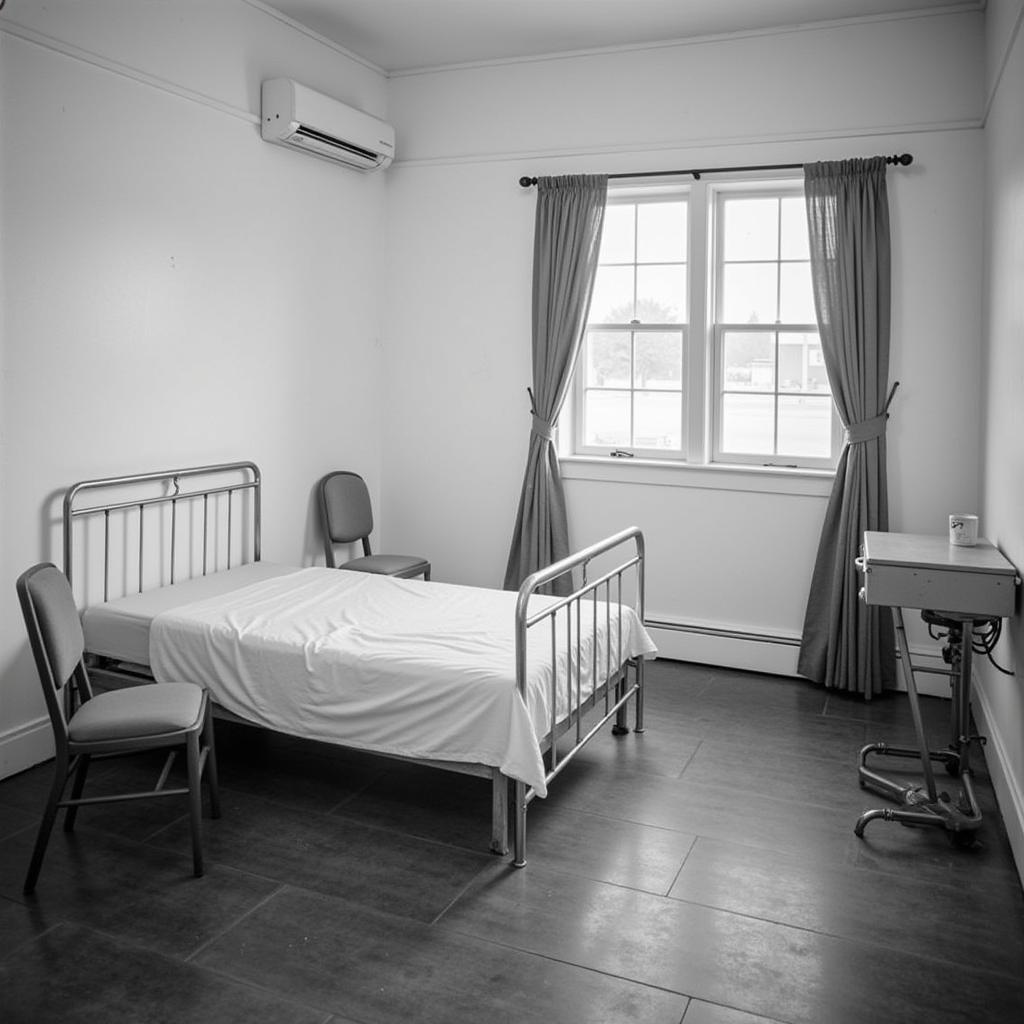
156, 524
615, 682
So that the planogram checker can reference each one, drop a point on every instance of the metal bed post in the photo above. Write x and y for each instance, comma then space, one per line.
617, 683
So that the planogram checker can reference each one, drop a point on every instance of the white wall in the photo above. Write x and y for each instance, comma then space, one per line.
1000, 697
731, 551
176, 292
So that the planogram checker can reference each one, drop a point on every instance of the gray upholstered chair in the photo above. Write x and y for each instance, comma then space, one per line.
125, 721
346, 516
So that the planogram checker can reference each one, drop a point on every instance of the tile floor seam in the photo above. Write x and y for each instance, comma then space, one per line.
760, 1018
848, 938
252, 986
348, 798
686, 857
31, 939
31, 826
567, 963
715, 788
455, 899
276, 994
237, 921
689, 760
335, 818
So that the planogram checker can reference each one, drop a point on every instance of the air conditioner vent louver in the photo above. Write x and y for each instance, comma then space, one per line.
294, 115
305, 132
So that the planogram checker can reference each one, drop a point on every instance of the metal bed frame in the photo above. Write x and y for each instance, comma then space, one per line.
230, 533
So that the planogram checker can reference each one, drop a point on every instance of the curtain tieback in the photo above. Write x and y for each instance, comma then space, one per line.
866, 430
543, 429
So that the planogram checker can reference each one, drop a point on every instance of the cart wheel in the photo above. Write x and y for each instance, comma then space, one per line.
961, 840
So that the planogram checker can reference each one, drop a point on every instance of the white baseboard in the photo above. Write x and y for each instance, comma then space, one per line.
774, 655
1007, 788
24, 746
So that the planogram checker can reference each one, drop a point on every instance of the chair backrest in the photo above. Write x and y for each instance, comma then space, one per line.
345, 512
54, 634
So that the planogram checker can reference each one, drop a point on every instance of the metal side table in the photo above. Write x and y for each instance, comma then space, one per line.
960, 590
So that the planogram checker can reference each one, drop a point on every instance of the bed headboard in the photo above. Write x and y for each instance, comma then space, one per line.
130, 533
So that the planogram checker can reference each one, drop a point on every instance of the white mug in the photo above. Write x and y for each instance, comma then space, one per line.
963, 530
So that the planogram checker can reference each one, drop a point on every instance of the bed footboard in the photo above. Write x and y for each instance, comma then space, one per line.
571, 626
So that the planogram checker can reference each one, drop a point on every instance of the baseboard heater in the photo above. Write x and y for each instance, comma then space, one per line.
725, 634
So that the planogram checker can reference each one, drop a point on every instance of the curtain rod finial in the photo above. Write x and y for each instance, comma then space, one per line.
526, 182
903, 159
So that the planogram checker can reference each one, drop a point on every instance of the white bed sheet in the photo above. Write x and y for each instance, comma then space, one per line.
408, 667
120, 628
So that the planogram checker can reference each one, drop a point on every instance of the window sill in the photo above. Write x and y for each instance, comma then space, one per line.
658, 473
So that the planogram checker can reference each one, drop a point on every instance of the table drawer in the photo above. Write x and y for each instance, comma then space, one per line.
905, 586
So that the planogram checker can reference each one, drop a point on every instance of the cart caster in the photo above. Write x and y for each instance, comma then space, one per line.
962, 840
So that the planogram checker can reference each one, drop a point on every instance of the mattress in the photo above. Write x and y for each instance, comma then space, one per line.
408, 667
120, 629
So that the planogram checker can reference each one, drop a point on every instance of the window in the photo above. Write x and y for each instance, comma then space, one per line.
631, 392
702, 343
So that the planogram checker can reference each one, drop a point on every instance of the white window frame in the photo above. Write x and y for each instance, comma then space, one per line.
702, 333
717, 193
648, 194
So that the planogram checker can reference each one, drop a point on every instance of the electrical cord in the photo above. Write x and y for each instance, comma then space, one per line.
984, 639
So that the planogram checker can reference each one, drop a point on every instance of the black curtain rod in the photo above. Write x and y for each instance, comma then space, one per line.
904, 159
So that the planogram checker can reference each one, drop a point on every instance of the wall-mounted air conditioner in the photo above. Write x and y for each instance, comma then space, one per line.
294, 115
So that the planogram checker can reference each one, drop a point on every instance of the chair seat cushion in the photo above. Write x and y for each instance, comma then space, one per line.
388, 565
148, 710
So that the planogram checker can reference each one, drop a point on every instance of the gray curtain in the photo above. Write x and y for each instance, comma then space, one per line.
567, 235
846, 644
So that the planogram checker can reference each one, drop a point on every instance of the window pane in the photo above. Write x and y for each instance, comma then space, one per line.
749, 293
608, 365
796, 298
801, 367
659, 360
618, 233
661, 233
794, 229
606, 419
612, 301
748, 361
817, 375
751, 229
658, 420
661, 294
748, 424
805, 426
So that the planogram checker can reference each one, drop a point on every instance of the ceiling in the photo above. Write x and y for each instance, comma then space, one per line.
401, 35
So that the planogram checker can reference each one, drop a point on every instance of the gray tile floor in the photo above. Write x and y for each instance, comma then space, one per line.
704, 872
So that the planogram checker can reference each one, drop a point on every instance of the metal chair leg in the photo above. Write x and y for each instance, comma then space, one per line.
195, 800
81, 769
60, 779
